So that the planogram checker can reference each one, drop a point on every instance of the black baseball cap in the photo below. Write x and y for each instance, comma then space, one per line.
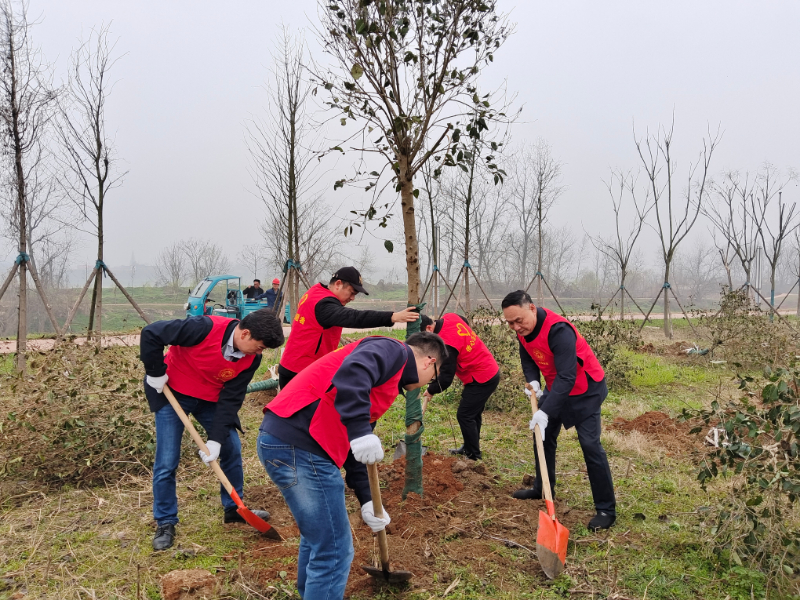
352, 276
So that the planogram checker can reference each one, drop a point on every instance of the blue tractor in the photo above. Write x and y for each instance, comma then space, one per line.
221, 295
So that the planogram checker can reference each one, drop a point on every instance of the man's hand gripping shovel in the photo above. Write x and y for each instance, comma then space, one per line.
552, 537
250, 517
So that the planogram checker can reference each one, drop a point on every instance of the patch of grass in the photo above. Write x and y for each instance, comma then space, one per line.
65, 543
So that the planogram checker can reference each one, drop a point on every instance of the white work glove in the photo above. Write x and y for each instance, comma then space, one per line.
536, 388
213, 448
372, 521
367, 449
540, 418
157, 383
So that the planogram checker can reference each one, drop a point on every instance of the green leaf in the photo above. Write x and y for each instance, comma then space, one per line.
416, 193
356, 71
388, 245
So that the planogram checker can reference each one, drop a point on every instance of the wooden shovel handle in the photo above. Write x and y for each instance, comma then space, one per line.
537, 435
377, 509
198, 440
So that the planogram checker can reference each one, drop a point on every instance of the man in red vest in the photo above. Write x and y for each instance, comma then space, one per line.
322, 421
208, 366
320, 317
470, 359
575, 387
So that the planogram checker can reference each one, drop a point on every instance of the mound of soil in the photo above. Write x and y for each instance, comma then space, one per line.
461, 521
661, 429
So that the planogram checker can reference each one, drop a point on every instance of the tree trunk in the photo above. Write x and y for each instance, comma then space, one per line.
539, 293
622, 298
667, 317
772, 295
22, 322
409, 229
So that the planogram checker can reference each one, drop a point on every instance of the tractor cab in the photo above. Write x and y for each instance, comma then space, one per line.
218, 295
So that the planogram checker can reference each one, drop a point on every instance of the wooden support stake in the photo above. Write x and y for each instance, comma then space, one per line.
684, 312
127, 295
43, 296
647, 316
73, 311
8, 280
478, 281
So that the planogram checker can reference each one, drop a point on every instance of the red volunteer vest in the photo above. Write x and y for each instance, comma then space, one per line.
542, 355
308, 340
201, 371
475, 362
314, 383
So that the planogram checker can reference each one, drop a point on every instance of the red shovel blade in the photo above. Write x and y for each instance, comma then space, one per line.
253, 519
551, 545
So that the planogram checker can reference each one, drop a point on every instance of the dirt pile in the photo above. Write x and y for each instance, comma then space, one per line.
460, 522
661, 429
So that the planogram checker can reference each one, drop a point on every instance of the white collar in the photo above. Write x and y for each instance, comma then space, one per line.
228, 351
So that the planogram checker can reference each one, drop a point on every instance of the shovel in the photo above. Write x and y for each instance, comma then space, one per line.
250, 517
552, 537
383, 573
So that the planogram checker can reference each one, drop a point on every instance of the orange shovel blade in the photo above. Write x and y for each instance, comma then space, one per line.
551, 545
253, 519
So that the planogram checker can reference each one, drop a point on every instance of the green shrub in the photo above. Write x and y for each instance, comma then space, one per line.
79, 416
743, 335
757, 524
606, 338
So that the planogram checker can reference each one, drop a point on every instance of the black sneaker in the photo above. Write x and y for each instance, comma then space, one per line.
164, 538
231, 516
527, 494
458, 451
602, 520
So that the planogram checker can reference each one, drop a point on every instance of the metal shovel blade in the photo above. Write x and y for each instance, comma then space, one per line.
388, 576
551, 545
400, 450
254, 520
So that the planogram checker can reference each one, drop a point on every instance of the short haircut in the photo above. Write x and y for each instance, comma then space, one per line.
425, 320
517, 298
264, 327
429, 344
256, 280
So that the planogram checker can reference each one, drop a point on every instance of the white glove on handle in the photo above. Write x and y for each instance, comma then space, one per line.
367, 449
372, 521
213, 448
540, 418
157, 383
536, 388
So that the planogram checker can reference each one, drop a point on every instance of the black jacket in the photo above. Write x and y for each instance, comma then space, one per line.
557, 402
190, 332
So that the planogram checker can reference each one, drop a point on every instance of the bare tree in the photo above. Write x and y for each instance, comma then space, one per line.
204, 258
283, 166
26, 109
696, 270
535, 187
726, 253
171, 266
676, 211
774, 234
252, 257
738, 218
620, 247
89, 155
317, 241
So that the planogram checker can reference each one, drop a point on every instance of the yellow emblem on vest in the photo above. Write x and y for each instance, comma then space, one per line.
226, 374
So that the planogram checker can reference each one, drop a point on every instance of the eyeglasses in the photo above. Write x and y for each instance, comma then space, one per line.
435, 373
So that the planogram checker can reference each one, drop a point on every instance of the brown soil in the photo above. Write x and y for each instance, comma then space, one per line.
448, 528
661, 429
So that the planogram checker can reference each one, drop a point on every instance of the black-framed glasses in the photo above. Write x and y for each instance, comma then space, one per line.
435, 373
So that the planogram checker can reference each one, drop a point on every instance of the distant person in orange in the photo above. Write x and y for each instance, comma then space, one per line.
320, 317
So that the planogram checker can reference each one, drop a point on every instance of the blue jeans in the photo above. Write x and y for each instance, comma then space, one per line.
314, 491
169, 430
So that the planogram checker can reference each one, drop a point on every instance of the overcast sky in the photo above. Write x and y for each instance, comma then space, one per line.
193, 73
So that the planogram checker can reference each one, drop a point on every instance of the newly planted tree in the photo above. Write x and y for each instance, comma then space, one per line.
406, 72
676, 208
27, 102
